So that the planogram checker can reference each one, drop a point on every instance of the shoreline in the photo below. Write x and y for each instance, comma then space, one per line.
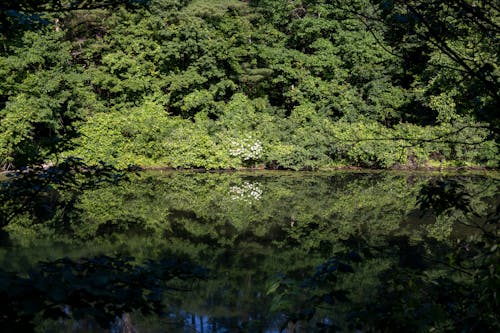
337, 168
353, 168
472, 169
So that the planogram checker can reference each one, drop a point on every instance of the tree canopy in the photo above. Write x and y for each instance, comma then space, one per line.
313, 84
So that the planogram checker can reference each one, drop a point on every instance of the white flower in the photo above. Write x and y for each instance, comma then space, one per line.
246, 149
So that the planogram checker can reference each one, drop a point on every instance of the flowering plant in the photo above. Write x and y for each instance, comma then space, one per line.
248, 149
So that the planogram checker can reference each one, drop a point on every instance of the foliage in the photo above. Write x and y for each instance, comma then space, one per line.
379, 84
225, 84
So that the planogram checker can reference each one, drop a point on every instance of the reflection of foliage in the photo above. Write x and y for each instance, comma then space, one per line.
301, 209
246, 192
102, 288
300, 221
428, 285
301, 301
43, 191
441, 196
453, 201
432, 286
458, 295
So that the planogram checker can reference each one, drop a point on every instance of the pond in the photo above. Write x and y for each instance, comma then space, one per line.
245, 252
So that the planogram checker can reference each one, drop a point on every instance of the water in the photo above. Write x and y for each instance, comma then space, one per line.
251, 244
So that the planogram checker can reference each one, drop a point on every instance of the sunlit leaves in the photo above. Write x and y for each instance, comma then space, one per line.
373, 91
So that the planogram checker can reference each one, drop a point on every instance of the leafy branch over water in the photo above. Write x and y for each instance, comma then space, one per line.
432, 285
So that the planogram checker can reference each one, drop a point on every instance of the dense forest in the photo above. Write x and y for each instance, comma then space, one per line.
223, 84
93, 90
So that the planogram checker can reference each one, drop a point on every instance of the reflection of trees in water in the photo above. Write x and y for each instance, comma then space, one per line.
427, 284
245, 245
304, 209
105, 289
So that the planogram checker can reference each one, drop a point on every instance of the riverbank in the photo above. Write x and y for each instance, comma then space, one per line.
425, 168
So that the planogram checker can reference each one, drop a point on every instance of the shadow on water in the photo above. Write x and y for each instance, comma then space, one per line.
252, 252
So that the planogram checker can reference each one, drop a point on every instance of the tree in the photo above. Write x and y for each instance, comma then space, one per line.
446, 47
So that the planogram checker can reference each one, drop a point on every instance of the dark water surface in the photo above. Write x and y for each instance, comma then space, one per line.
254, 249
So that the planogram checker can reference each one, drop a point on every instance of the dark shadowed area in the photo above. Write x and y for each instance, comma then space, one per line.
257, 252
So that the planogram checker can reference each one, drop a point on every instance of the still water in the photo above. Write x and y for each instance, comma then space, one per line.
244, 252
